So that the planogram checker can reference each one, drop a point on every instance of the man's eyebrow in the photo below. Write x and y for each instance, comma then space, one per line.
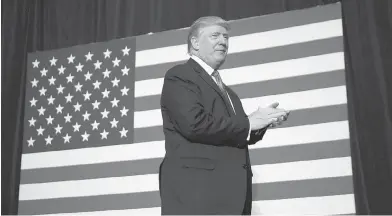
225, 34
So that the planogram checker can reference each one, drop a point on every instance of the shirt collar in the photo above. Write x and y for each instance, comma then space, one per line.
204, 65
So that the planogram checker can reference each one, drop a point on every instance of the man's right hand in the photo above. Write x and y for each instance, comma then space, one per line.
263, 117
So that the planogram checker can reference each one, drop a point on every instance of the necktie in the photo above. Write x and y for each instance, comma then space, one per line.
218, 79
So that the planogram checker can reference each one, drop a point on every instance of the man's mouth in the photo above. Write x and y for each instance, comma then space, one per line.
223, 51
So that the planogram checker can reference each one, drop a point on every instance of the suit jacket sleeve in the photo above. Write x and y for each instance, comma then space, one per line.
254, 137
181, 100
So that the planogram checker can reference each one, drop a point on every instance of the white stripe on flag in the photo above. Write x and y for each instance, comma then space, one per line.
300, 170
104, 154
260, 72
284, 69
290, 101
304, 134
268, 39
325, 205
89, 187
299, 100
127, 212
273, 138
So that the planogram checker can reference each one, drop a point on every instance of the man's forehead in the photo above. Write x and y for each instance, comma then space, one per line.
214, 28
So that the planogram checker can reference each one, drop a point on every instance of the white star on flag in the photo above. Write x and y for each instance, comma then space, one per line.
86, 116
97, 65
43, 72
67, 138
50, 119
78, 87
34, 83
125, 70
51, 100
104, 134
42, 91
77, 106
40, 131
68, 98
79, 67
114, 123
67, 118
86, 96
32, 122
114, 102
96, 84
35, 63
123, 132
105, 94
76, 126
124, 111
116, 62
88, 76
89, 56
71, 59
33, 102
41, 111
51, 80
126, 51
85, 136
105, 113
59, 109
48, 140
106, 73
58, 129
107, 53
95, 125
96, 105
115, 81
60, 89
124, 91
53, 61
69, 78
30, 142
61, 69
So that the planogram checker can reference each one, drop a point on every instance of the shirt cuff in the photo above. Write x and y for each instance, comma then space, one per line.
250, 129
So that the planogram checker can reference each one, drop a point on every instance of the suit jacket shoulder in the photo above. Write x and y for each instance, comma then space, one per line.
181, 71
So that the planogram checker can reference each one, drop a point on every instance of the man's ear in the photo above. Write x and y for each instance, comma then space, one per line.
195, 43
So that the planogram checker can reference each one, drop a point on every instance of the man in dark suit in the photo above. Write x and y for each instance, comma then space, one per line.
206, 169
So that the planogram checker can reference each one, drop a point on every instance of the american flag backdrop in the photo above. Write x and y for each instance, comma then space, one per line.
93, 138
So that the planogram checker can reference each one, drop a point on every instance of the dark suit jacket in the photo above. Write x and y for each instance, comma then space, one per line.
207, 159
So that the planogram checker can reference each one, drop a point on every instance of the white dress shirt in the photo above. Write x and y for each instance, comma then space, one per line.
210, 70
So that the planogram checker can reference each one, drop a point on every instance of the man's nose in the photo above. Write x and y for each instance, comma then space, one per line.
223, 40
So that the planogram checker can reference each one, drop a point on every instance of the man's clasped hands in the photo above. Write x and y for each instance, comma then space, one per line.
269, 116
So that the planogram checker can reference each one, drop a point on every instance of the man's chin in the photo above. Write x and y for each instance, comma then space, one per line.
221, 58
221, 61
221, 55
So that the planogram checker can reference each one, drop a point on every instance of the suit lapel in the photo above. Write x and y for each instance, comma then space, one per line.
208, 79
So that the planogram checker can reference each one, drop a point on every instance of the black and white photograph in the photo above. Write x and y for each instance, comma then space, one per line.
197, 107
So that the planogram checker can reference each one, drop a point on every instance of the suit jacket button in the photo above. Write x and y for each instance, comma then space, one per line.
245, 166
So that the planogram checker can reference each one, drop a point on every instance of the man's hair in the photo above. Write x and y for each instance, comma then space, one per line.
204, 22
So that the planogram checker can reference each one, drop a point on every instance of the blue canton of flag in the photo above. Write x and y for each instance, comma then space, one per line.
80, 97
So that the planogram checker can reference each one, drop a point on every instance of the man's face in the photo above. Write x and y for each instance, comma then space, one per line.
213, 44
